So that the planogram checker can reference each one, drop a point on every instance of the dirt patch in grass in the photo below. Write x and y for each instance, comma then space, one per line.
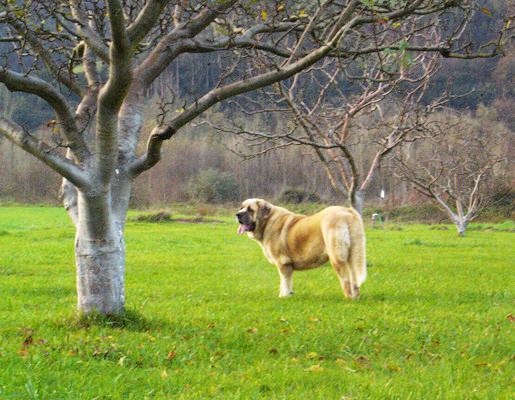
198, 220
163, 216
157, 217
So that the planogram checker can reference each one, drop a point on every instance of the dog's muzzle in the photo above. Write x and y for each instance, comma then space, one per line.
246, 225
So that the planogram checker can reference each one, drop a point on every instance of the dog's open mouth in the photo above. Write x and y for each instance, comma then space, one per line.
244, 228
250, 227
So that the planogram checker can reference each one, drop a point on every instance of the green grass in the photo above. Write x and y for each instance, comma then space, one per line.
204, 320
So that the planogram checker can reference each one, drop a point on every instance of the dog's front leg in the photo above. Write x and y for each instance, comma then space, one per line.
286, 276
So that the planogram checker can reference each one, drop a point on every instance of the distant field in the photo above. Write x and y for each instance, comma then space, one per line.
435, 321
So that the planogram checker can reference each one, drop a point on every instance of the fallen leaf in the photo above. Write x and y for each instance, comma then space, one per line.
312, 355
24, 352
164, 374
511, 317
314, 368
121, 361
252, 330
28, 341
363, 361
282, 319
280, 8
171, 355
486, 11
392, 367
314, 319
28, 331
482, 364
273, 351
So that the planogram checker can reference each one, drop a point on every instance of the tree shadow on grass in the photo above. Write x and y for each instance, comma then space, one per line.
131, 320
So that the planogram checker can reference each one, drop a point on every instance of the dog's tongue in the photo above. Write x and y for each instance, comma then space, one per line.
243, 228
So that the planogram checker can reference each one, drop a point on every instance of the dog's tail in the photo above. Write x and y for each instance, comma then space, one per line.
346, 240
357, 253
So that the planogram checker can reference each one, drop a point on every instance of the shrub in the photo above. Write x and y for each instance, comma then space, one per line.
213, 186
157, 217
296, 196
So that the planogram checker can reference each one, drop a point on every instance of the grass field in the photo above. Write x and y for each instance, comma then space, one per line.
435, 320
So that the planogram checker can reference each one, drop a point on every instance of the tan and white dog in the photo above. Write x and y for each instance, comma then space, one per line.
294, 242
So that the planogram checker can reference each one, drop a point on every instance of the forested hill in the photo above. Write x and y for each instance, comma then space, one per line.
484, 87
487, 81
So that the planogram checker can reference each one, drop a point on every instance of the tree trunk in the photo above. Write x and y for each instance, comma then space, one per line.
357, 201
100, 256
461, 226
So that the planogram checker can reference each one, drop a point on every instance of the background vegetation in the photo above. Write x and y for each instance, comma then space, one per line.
489, 106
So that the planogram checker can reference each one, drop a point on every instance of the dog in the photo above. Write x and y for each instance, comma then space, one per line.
294, 242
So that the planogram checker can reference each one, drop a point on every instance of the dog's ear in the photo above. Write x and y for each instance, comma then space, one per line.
264, 210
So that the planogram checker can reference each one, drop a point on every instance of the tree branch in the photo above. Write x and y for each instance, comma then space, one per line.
15, 81
88, 34
60, 74
145, 20
49, 155
113, 93
153, 155
219, 94
171, 45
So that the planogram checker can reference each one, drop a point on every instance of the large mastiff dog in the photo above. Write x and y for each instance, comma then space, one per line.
294, 242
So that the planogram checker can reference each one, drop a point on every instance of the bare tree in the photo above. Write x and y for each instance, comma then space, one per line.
95, 62
340, 127
454, 168
383, 108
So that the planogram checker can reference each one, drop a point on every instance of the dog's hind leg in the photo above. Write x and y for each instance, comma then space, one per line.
286, 276
338, 242
347, 279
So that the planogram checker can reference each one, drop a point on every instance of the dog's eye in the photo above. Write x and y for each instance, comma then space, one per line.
250, 210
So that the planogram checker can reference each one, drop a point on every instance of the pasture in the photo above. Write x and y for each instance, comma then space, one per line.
435, 320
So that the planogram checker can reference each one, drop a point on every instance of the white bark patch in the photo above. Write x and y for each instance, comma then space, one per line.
100, 275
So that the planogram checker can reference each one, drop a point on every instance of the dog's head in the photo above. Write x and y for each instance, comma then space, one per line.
253, 215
